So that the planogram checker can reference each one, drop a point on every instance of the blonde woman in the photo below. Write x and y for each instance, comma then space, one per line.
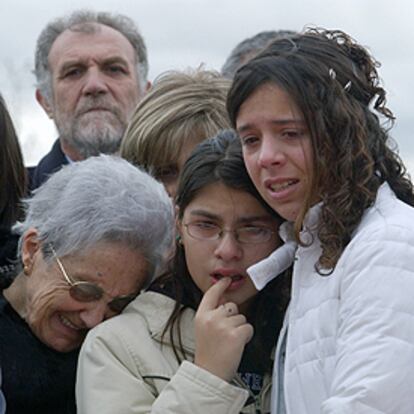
181, 110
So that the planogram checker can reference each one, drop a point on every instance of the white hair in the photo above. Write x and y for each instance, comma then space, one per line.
101, 199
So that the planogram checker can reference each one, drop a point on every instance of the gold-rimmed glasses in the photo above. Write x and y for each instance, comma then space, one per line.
83, 291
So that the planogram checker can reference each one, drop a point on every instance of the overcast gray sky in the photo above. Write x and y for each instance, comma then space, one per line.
186, 33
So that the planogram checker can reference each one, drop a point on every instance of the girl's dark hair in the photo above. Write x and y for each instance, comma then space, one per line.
220, 159
12, 174
335, 84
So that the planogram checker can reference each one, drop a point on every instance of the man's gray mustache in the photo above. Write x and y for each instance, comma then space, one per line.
96, 105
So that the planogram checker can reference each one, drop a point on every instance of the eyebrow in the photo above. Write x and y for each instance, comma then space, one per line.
80, 275
84, 62
114, 59
280, 122
205, 214
241, 220
70, 64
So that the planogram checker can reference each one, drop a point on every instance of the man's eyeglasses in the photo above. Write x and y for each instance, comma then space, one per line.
83, 291
202, 230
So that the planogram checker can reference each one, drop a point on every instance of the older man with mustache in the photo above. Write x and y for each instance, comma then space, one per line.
91, 71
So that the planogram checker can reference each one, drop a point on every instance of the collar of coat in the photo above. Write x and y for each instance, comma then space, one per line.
156, 309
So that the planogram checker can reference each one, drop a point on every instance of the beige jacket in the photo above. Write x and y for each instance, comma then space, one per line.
123, 368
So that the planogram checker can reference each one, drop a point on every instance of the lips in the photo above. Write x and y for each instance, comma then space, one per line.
234, 278
68, 323
87, 111
280, 186
236, 275
238, 278
281, 189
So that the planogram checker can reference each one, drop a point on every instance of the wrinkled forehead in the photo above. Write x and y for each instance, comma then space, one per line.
90, 40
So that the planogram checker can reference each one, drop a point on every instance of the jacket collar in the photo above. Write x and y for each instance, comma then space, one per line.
156, 309
310, 225
311, 220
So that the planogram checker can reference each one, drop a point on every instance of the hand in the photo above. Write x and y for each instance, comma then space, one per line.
221, 333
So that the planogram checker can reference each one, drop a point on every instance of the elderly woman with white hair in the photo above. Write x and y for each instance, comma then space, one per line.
93, 237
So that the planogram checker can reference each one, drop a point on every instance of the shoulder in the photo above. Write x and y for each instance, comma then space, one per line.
9, 319
389, 219
149, 312
49, 164
132, 342
379, 256
138, 330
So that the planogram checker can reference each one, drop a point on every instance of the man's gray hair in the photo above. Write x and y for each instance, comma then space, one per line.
83, 19
102, 199
250, 47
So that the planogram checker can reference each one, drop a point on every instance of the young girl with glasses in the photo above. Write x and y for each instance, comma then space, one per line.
198, 339
309, 111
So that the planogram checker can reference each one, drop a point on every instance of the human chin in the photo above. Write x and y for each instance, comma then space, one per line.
96, 139
48, 322
58, 335
242, 298
288, 211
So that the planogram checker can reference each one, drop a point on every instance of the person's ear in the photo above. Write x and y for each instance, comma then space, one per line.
148, 86
44, 103
30, 246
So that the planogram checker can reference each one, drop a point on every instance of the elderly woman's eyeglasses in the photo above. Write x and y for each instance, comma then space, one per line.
83, 291
202, 230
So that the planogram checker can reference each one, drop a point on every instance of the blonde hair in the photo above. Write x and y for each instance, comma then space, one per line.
182, 107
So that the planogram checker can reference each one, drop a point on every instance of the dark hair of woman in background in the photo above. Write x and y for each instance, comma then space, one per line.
12, 190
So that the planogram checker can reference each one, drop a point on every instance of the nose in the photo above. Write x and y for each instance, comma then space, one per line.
93, 314
271, 153
95, 83
228, 248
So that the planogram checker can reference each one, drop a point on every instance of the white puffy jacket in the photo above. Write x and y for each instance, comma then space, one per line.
350, 335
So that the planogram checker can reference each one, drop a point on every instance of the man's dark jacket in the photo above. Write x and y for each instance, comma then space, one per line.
49, 164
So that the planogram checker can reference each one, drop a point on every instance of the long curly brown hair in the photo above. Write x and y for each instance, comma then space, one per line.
335, 84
